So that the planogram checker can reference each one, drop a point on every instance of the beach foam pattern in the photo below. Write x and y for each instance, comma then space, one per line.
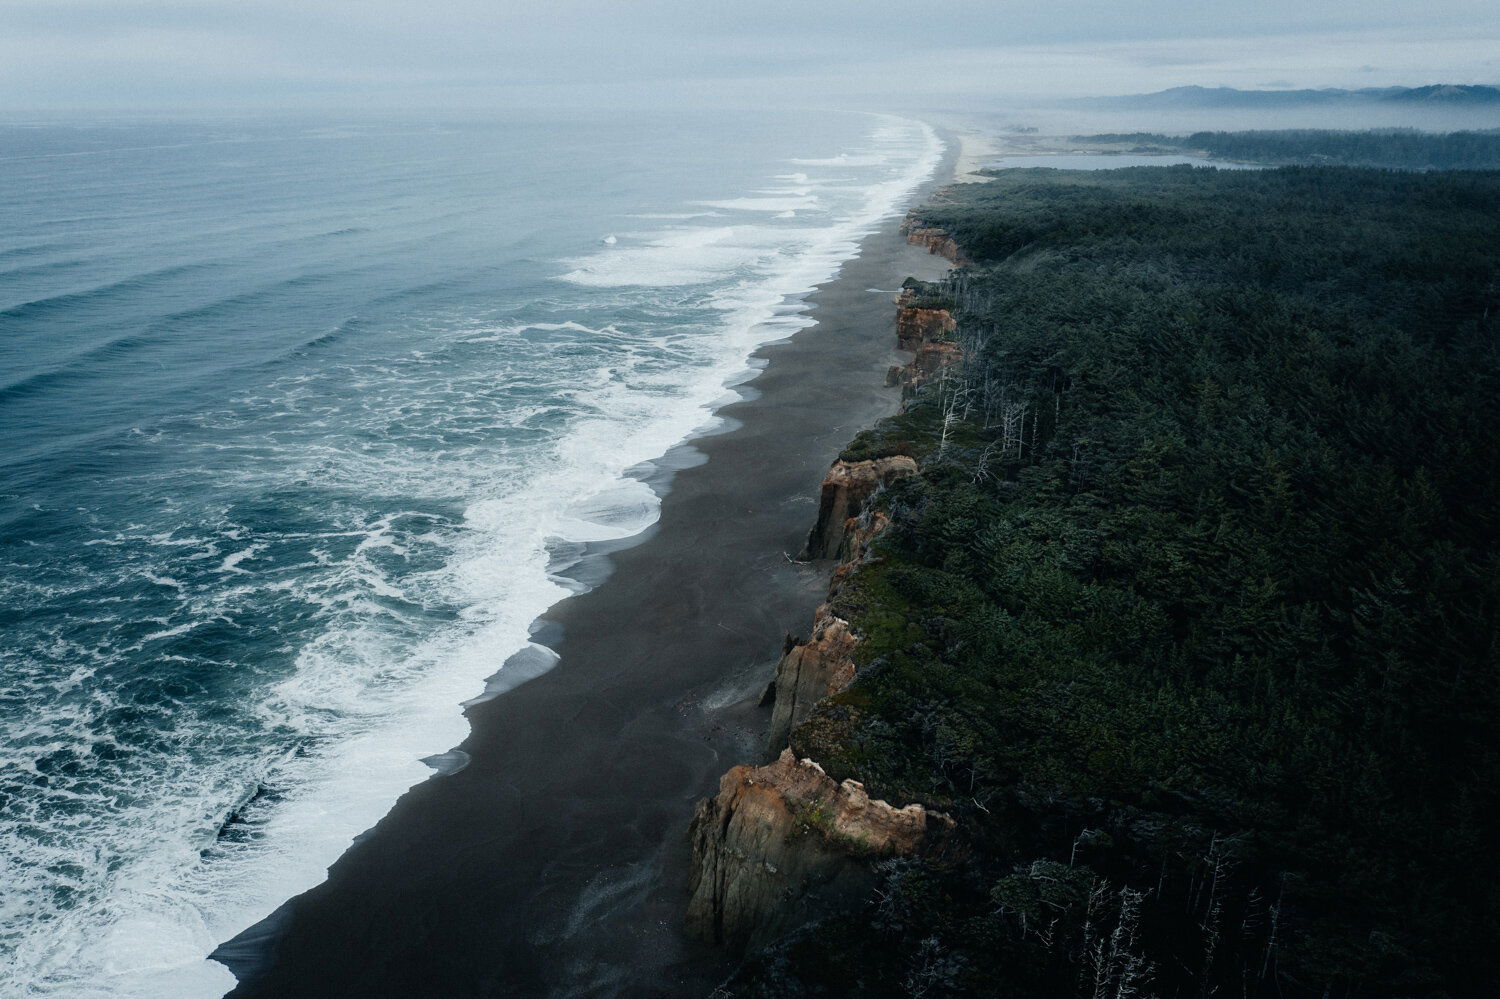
245, 599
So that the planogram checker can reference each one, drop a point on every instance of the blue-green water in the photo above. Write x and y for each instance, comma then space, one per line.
301, 419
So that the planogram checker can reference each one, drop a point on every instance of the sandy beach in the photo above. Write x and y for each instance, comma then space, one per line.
555, 863
975, 150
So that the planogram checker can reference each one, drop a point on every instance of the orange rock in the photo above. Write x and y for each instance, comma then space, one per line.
811, 671
784, 842
918, 233
914, 326
845, 491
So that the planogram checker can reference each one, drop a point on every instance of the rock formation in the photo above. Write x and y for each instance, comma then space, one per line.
858, 533
916, 326
927, 331
919, 233
845, 491
811, 671
931, 361
783, 843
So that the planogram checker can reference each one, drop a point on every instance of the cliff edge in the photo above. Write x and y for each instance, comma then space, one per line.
781, 843
784, 844
846, 490
935, 240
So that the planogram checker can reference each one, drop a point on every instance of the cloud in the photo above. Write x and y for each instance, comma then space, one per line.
332, 52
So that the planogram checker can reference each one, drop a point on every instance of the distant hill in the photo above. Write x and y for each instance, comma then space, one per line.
1449, 94
1229, 97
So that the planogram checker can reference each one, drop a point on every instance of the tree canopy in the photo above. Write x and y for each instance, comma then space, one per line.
1190, 619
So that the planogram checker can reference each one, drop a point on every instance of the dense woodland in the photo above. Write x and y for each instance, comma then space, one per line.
1190, 619
1399, 148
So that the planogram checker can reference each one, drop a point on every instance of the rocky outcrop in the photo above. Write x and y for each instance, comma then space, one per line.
785, 843
823, 665
810, 671
858, 533
845, 491
931, 361
928, 332
919, 233
917, 326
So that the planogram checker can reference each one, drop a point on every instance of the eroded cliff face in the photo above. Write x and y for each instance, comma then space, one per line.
919, 233
845, 491
928, 332
810, 671
858, 533
916, 326
784, 843
929, 364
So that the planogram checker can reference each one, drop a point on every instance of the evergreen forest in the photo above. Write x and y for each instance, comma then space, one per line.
1189, 620
1391, 148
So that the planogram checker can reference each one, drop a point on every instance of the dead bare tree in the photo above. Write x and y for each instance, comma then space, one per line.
1013, 426
1117, 969
954, 397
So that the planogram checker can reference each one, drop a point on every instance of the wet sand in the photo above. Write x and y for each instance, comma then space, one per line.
555, 863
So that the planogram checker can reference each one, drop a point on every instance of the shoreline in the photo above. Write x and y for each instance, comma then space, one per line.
554, 862
974, 150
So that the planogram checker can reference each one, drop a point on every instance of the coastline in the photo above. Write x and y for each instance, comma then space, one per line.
974, 151
921, 690
556, 861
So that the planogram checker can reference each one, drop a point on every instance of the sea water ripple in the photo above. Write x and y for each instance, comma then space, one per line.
303, 421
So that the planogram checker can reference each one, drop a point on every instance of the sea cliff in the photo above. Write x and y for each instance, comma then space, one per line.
784, 844
933, 238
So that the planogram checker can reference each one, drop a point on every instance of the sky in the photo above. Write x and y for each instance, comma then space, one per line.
196, 54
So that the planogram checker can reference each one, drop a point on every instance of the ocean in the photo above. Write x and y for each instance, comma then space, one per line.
305, 422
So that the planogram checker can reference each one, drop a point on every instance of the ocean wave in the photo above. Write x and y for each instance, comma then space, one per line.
677, 257
100, 295
780, 203
22, 252
402, 519
102, 361
846, 160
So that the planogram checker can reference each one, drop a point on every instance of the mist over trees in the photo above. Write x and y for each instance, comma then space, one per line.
1401, 148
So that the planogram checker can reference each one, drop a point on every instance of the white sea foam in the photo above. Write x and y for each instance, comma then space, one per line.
672, 215
677, 257
844, 160
374, 708
790, 201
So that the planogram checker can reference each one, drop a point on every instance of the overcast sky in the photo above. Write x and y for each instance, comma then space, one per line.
871, 53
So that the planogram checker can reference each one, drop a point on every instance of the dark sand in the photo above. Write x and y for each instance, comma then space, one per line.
555, 864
